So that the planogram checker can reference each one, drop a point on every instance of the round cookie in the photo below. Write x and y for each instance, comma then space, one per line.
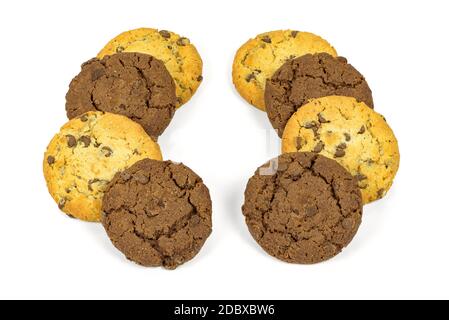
302, 207
311, 76
351, 133
86, 154
259, 58
135, 85
157, 213
179, 56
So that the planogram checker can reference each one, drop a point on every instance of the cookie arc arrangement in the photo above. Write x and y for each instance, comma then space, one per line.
105, 164
339, 154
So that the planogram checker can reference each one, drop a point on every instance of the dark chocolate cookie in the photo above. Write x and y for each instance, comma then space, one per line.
157, 213
311, 76
135, 85
302, 207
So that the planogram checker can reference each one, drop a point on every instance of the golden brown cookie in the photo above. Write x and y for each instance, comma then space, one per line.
86, 154
181, 58
350, 132
259, 58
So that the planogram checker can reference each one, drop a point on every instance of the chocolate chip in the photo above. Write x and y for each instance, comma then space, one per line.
250, 77
310, 125
339, 153
119, 49
321, 119
62, 203
362, 130
50, 160
363, 186
342, 146
141, 178
85, 140
347, 136
347, 223
311, 211
107, 152
299, 143
314, 126
182, 41
97, 74
266, 39
294, 33
165, 34
84, 118
199, 79
360, 177
319, 147
71, 141
380, 193
136, 152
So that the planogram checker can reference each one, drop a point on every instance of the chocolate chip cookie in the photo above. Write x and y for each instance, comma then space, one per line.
86, 154
178, 54
258, 59
311, 76
350, 132
135, 85
302, 207
157, 213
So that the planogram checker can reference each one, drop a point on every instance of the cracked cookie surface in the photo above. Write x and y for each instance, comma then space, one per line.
311, 76
306, 210
259, 58
179, 55
350, 132
86, 154
135, 85
158, 213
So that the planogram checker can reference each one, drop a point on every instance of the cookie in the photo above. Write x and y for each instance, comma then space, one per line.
135, 85
157, 213
302, 207
259, 58
179, 56
311, 76
350, 132
86, 154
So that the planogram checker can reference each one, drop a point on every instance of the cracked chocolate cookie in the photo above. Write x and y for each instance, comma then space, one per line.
86, 154
259, 58
311, 76
178, 54
158, 213
350, 132
135, 85
302, 207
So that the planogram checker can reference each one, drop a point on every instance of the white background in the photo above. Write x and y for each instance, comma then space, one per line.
401, 249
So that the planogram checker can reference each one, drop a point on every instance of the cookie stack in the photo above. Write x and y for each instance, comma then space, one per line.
105, 164
338, 153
